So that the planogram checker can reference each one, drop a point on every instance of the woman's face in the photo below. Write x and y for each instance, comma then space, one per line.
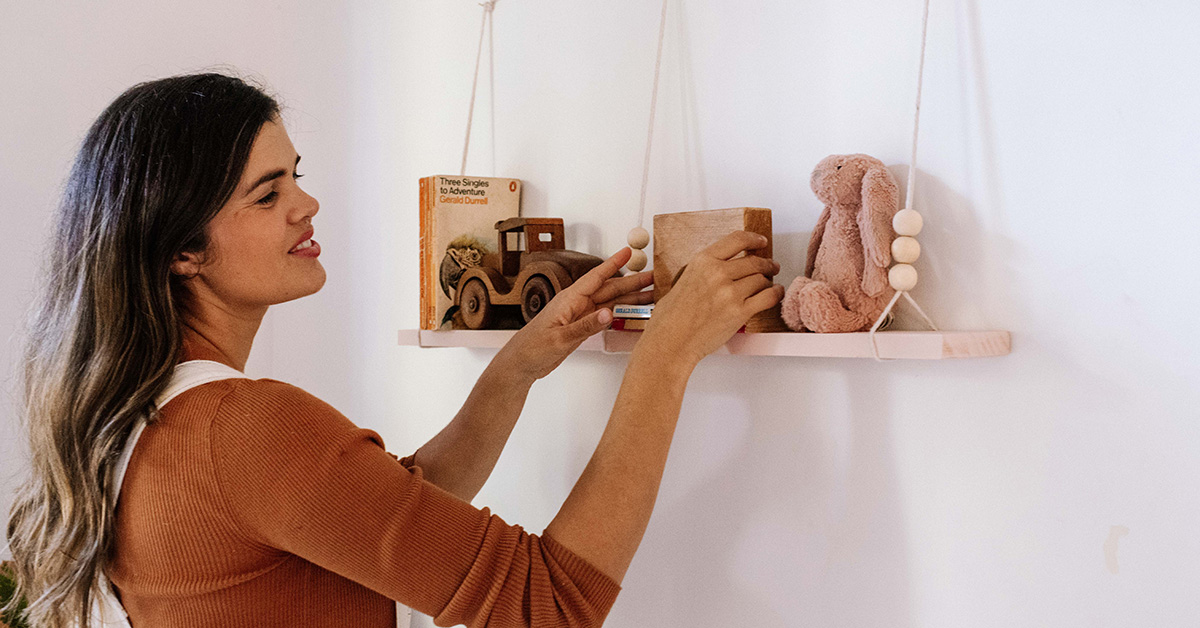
260, 248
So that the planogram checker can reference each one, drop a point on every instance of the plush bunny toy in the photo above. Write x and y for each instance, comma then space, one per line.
846, 287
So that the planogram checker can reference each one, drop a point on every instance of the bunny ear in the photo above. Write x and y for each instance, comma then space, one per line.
880, 201
814, 242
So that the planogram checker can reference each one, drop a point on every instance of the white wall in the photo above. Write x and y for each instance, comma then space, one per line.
1058, 177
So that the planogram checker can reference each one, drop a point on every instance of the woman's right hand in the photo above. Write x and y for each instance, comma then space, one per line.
714, 297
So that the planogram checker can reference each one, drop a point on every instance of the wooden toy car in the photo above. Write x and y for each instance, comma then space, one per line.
531, 267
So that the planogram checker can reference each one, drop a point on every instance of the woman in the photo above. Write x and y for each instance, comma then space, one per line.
252, 503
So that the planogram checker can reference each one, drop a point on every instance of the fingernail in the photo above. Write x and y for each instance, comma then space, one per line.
606, 316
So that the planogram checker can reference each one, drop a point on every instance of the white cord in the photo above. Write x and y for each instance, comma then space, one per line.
912, 185
492, 84
912, 167
484, 26
878, 322
662, 30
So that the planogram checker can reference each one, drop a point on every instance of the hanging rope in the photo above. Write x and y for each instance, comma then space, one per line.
484, 27
492, 86
662, 30
912, 185
912, 168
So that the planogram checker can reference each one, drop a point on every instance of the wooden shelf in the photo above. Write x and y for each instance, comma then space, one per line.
912, 345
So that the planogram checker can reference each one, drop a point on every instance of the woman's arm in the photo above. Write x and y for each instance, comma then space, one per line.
293, 475
605, 516
461, 457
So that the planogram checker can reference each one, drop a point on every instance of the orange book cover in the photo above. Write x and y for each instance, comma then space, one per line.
458, 227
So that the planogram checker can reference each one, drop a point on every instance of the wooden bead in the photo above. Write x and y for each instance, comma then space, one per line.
638, 261
907, 222
639, 238
905, 249
902, 277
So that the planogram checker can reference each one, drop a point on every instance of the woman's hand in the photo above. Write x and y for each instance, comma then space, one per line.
715, 296
572, 316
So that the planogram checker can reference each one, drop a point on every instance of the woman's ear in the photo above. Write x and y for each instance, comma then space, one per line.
880, 201
187, 264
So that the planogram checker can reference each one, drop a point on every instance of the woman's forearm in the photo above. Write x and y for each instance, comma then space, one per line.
461, 457
605, 516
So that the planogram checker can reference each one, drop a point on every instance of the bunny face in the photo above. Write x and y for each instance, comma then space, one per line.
837, 179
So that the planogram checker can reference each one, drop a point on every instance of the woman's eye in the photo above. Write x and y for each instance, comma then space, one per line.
266, 200
296, 175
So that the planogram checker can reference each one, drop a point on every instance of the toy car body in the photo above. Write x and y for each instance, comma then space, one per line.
531, 267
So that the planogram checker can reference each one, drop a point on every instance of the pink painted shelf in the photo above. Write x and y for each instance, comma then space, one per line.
912, 345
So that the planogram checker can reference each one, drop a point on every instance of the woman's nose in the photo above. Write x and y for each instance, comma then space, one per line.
307, 207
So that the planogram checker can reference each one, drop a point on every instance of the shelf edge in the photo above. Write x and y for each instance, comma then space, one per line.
911, 345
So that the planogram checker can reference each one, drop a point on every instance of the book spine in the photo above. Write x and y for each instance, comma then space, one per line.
426, 209
633, 311
431, 253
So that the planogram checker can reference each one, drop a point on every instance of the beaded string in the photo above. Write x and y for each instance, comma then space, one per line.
638, 237
907, 223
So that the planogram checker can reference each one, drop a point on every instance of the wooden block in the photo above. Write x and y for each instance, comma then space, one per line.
679, 237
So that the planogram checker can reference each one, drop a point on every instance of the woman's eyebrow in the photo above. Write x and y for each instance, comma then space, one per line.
270, 176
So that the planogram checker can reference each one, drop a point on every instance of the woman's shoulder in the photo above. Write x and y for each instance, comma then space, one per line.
267, 389
272, 404
244, 390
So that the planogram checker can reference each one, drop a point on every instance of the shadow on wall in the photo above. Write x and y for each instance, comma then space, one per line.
799, 518
964, 272
800, 513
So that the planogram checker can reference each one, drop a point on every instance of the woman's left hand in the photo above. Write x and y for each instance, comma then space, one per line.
572, 316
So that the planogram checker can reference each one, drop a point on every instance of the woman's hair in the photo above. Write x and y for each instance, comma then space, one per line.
104, 334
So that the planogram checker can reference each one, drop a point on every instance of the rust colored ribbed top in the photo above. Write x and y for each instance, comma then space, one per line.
252, 503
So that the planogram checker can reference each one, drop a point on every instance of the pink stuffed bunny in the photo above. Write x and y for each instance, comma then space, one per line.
846, 287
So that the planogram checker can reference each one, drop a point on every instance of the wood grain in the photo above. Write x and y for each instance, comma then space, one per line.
679, 237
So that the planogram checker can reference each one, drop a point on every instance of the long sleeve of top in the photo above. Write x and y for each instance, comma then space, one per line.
253, 503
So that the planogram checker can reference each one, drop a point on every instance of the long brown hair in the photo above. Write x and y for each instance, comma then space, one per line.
104, 334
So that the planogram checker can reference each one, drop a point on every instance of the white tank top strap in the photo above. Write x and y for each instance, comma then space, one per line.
107, 610
194, 373
187, 375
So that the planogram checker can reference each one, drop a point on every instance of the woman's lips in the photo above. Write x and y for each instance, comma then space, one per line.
310, 251
303, 239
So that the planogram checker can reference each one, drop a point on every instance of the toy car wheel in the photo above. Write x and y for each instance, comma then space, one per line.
534, 296
475, 305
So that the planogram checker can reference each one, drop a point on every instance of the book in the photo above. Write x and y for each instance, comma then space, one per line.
633, 311
630, 324
458, 227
